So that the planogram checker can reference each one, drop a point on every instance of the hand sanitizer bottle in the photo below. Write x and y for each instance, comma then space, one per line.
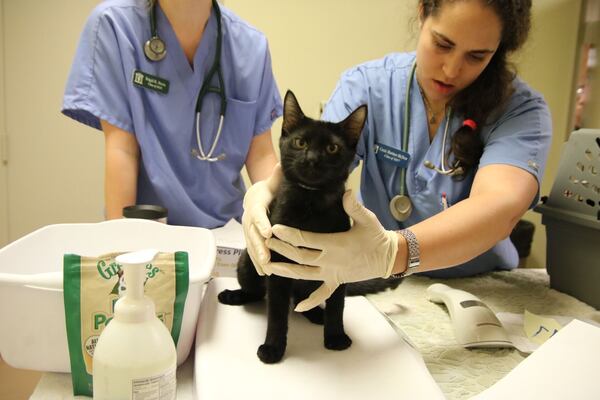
135, 357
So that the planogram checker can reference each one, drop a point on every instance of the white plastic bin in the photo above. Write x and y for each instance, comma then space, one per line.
32, 321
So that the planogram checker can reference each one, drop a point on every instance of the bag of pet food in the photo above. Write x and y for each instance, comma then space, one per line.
92, 286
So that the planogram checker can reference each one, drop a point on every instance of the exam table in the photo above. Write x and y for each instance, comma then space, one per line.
458, 372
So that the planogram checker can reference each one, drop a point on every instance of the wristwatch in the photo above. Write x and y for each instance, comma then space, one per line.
414, 255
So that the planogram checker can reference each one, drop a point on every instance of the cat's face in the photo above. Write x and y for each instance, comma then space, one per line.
316, 153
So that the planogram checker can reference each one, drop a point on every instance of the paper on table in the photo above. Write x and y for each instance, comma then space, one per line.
378, 365
539, 329
230, 244
514, 324
564, 367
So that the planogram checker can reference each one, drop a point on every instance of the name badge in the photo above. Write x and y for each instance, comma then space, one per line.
147, 81
389, 154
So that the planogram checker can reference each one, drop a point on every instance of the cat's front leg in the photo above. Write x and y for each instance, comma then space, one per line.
252, 285
278, 303
334, 336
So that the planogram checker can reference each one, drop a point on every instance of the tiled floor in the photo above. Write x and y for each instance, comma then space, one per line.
16, 384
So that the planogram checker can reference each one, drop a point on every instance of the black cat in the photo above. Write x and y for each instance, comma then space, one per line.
315, 160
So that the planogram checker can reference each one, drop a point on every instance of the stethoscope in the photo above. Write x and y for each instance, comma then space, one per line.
156, 50
400, 205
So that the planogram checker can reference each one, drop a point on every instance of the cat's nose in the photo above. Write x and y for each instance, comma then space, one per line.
311, 157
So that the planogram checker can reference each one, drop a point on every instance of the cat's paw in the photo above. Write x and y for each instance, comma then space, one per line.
237, 297
338, 342
270, 354
315, 315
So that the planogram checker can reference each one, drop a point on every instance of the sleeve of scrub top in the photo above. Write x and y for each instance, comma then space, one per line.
97, 86
521, 137
269, 104
350, 93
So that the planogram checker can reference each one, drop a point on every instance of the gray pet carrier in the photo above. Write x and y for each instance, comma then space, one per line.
571, 215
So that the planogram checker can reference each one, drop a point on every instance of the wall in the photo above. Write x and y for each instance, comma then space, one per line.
16, 384
591, 115
55, 165
313, 41
548, 64
3, 142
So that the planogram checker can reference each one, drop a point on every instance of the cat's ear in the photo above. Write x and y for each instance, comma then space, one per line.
354, 123
292, 113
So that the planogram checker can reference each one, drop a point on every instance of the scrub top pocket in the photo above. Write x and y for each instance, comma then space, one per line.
238, 131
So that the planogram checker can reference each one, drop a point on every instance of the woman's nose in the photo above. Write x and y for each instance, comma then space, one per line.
452, 66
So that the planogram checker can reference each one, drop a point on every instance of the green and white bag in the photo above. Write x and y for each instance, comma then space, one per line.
91, 287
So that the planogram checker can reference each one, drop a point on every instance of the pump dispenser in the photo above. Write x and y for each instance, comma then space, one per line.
135, 357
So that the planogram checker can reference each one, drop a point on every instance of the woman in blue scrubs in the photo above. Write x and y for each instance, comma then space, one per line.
453, 155
146, 106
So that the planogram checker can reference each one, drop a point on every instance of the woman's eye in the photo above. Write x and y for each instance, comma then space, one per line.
476, 57
332, 148
442, 46
299, 143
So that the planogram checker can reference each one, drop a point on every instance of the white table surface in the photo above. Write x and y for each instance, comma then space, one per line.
55, 386
459, 372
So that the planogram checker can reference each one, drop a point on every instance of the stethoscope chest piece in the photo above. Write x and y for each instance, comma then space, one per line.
155, 49
400, 207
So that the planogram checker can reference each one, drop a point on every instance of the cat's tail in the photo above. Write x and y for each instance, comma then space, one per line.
371, 286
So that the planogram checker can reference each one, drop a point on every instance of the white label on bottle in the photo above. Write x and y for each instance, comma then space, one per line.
159, 387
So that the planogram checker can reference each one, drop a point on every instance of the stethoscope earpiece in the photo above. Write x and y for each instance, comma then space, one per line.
449, 172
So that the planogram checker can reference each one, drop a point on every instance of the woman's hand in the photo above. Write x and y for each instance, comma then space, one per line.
366, 251
256, 224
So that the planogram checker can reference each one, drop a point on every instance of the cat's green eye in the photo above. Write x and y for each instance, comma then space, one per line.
299, 143
332, 148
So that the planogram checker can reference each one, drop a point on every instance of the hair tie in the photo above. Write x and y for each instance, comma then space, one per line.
470, 123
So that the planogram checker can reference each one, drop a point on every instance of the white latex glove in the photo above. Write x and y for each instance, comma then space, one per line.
256, 224
366, 251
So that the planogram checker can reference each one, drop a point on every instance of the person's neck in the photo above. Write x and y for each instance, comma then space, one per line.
435, 109
435, 112
189, 12
188, 19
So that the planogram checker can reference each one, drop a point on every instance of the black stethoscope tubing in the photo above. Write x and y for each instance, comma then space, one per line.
155, 50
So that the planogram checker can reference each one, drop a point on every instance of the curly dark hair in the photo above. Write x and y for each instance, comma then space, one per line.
491, 90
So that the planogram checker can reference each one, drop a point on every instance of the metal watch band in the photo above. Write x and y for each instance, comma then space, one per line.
414, 255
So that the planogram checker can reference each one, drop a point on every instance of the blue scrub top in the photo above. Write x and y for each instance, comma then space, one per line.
100, 86
521, 136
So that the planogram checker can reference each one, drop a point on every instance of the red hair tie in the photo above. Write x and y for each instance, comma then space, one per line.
470, 123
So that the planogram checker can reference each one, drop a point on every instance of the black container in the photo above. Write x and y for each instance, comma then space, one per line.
146, 211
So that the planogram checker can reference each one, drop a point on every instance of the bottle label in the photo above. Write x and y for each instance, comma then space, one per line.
159, 387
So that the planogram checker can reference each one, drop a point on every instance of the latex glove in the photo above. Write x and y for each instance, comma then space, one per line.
255, 222
366, 251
